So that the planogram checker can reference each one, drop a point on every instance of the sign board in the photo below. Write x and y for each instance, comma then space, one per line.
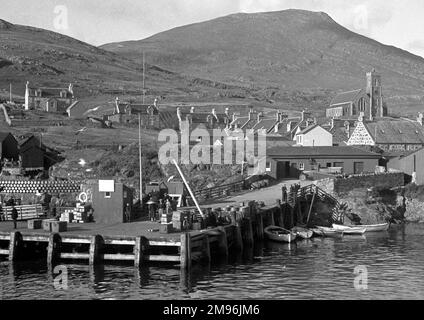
106, 185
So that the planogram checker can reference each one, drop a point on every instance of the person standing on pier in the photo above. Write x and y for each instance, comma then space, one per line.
15, 217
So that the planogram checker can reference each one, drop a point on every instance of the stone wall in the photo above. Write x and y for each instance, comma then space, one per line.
345, 185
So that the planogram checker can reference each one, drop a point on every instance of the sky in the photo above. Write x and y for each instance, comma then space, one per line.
393, 22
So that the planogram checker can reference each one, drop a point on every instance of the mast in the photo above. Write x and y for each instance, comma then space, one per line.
144, 76
140, 162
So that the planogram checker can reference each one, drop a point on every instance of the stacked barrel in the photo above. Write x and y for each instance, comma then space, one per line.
34, 186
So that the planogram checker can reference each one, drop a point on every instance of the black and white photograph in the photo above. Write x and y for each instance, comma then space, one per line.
188, 151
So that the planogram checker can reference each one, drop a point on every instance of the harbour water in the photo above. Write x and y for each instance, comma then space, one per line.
322, 268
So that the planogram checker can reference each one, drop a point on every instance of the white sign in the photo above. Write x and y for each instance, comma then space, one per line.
106, 186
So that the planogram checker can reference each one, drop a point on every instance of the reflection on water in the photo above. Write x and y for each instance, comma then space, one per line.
321, 268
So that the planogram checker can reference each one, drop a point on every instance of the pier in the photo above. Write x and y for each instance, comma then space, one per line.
140, 243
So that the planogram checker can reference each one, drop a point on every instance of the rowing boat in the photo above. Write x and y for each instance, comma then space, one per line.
367, 228
303, 233
318, 232
330, 232
279, 234
350, 229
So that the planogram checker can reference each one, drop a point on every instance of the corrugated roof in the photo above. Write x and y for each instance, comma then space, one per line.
345, 97
396, 132
320, 151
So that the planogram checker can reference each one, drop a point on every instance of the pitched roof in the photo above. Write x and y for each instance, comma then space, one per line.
345, 97
266, 124
396, 132
3, 136
307, 129
53, 92
342, 152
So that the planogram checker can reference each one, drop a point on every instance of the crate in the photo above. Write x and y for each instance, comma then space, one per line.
35, 224
197, 226
47, 225
59, 226
177, 225
180, 215
166, 228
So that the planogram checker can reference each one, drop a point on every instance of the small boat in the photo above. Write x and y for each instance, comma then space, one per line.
330, 232
375, 227
303, 233
349, 230
318, 232
279, 234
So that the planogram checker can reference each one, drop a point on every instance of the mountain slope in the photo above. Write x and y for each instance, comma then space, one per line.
51, 59
287, 50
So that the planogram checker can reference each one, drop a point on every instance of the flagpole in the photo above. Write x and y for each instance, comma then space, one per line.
140, 162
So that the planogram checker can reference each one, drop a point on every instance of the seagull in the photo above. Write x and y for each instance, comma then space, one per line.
80, 130
92, 110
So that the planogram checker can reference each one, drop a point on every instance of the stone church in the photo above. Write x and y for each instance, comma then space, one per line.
368, 101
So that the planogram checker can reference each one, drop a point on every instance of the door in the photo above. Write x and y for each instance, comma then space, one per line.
283, 170
358, 167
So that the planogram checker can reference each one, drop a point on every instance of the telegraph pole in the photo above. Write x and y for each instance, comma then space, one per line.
140, 162
144, 76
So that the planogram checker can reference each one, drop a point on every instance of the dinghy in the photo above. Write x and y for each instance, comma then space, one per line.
350, 229
279, 234
330, 232
303, 233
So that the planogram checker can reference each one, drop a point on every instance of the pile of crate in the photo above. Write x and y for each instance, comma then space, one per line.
77, 215
181, 220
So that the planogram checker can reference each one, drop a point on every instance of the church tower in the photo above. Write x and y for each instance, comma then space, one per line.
375, 93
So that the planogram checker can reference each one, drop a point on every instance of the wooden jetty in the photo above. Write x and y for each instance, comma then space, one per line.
184, 248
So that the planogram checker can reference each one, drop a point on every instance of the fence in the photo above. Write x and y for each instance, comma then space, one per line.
220, 191
25, 212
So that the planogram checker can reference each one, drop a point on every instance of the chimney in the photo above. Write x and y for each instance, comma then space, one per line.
117, 105
179, 114
71, 89
260, 116
420, 118
214, 113
251, 113
332, 123
278, 116
303, 116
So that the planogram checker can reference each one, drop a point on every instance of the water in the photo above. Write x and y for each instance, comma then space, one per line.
316, 269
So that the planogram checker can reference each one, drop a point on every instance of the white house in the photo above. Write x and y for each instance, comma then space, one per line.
313, 136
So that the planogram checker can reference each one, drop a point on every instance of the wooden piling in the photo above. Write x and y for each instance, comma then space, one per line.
53, 248
140, 247
206, 250
238, 235
185, 251
95, 245
223, 243
260, 226
247, 232
15, 245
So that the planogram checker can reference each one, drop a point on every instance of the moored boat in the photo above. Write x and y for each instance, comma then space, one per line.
303, 233
330, 232
279, 234
361, 229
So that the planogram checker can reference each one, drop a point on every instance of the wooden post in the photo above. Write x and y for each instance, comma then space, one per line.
311, 205
247, 232
185, 252
206, 250
15, 245
223, 243
238, 235
260, 226
140, 247
53, 249
272, 217
95, 245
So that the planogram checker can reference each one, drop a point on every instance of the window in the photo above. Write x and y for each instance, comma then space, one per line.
268, 166
361, 105
338, 164
108, 195
328, 164
358, 167
301, 166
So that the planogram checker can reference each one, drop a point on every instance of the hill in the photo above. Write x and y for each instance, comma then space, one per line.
283, 53
47, 58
